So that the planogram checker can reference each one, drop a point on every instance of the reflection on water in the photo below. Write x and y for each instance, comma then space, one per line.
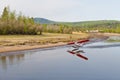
11, 59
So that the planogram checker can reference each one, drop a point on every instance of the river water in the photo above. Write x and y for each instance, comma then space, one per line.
57, 64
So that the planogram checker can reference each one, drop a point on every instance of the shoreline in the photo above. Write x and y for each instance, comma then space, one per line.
28, 47
11, 43
4, 49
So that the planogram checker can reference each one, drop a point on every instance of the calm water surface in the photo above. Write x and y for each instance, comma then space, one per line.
57, 64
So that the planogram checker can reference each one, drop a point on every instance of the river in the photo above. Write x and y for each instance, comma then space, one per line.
58, 64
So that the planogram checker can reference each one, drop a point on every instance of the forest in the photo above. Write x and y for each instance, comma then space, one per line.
102, 26
110, 26
12, 24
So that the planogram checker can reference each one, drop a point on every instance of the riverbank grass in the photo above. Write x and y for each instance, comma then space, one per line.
45, 38
10, 43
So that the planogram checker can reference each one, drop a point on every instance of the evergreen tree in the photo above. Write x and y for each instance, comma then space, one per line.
5, 14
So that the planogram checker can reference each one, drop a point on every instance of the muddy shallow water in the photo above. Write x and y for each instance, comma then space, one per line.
58, 64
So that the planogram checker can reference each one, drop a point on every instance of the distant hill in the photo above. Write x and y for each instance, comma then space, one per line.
43, 21
92, 23
109, 26
81, 23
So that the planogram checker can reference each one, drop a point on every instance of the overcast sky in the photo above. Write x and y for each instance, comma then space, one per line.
66, 10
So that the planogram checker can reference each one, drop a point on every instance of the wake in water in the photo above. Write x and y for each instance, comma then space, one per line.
102, 45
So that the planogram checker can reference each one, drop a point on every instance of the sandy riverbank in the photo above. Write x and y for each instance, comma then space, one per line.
19, 43
9, 43
28, 47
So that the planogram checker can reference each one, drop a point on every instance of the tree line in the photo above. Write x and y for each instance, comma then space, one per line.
57, 28
11, 23
110, 26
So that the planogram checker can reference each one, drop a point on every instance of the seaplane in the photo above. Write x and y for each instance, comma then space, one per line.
81, 43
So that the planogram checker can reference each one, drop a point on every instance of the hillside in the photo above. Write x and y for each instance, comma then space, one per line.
98, 22
81, 23
43, 21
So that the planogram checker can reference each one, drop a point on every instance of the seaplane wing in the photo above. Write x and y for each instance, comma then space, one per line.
81, 43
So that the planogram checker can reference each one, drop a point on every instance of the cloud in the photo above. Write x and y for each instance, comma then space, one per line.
65, 10
40, 7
